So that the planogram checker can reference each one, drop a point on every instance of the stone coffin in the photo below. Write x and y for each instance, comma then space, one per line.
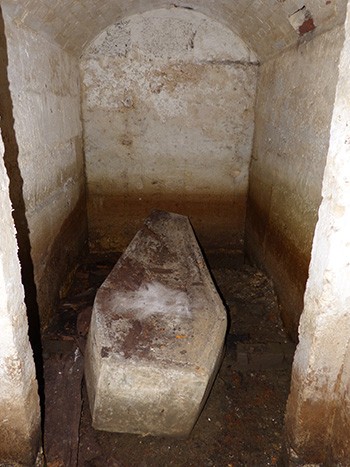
156, 335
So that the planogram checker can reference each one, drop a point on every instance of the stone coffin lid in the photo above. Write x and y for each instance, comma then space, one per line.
158, 311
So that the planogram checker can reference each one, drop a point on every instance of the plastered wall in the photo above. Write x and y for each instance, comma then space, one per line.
317, 419
45, 93
293, 115
19, 401
168, 118
267, 26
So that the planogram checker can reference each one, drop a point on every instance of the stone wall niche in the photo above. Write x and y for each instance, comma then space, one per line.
168, 118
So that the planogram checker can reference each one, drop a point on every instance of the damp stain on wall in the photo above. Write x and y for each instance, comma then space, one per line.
168, 101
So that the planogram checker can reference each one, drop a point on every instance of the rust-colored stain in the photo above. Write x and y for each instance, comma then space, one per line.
307, 26
129, 276
134, 336
284, 255
55, 276
116, 217
308, 431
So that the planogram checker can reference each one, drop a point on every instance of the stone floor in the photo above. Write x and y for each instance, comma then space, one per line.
242, 422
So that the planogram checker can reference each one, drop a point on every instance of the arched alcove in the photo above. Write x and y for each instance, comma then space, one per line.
167, 108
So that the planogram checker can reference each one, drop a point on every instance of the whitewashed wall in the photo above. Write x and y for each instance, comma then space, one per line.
168, 117
45, 90
19, 401
293, 116
318, 419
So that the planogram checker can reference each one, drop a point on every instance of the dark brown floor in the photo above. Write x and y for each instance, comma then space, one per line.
242, 422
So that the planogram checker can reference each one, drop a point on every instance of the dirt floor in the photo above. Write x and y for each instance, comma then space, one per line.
242, 421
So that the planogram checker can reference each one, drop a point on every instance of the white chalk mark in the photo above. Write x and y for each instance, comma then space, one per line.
153, 298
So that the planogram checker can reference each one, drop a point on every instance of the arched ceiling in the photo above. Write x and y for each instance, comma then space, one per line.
266, 26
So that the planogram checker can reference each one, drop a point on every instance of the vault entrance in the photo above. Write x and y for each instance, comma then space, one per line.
160, 110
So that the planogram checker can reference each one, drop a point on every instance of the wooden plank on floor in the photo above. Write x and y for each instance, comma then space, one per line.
63, 378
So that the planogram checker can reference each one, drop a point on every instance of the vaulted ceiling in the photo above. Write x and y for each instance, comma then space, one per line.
267, 26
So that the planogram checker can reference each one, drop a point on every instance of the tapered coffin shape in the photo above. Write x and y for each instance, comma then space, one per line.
157, 333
